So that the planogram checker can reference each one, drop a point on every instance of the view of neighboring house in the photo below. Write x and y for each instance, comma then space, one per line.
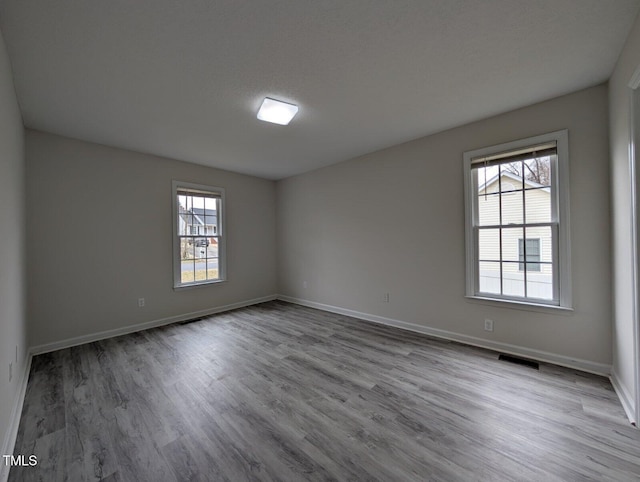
198, 222
507, 199
202, 222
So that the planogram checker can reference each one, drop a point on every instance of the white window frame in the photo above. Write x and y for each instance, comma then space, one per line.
222, 265
560, 215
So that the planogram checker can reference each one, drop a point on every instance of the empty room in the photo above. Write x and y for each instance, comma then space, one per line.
295, 240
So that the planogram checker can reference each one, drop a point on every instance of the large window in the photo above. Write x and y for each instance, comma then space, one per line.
517, 217
198, 234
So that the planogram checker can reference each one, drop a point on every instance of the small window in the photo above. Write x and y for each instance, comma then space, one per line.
517, 221
198, 234
529, 251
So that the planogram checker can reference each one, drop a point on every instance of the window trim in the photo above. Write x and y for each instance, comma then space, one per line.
222, 265
561, 256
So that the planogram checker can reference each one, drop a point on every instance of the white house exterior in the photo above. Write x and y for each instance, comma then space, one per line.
199, 221
519, 198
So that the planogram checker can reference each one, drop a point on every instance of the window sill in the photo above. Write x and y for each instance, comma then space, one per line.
520, 305
199, 285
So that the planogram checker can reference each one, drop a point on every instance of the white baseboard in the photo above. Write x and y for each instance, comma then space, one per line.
102, 335
14, 422
625, 397
576, 363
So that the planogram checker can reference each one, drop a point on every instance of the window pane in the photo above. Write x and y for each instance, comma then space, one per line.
187, 249
511, 176
538, 170
513, 280
510, 237
489, 277
212, 269
210, 222
487, 179
488, 210
187, 271
213, 248
210, 203
545, 243
182, 215
182, 224
200, 269
540, 274
538, 205
489, 244
540, 283
199, 248
512, 208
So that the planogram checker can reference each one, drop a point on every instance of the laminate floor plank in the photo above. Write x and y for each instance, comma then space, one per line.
50, 451
43, 411
230, 454
190, 462
138, 455
279, 392
90, 454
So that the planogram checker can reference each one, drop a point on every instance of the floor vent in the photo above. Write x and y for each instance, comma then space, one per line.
519, 361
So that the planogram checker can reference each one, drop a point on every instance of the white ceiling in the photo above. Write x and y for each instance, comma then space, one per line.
185, 79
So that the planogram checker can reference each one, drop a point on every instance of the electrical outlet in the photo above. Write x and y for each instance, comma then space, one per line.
140, 302
10, 371
385, 297
304, 285
488, 325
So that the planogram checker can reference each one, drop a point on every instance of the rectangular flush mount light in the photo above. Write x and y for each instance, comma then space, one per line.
277, 111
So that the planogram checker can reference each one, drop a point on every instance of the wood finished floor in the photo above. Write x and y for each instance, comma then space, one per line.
281, 392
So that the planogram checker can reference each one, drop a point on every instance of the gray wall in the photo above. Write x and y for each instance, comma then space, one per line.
393, 221
619, 103
12, 274
99, 236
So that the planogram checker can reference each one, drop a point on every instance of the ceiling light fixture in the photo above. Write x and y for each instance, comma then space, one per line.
277, 111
